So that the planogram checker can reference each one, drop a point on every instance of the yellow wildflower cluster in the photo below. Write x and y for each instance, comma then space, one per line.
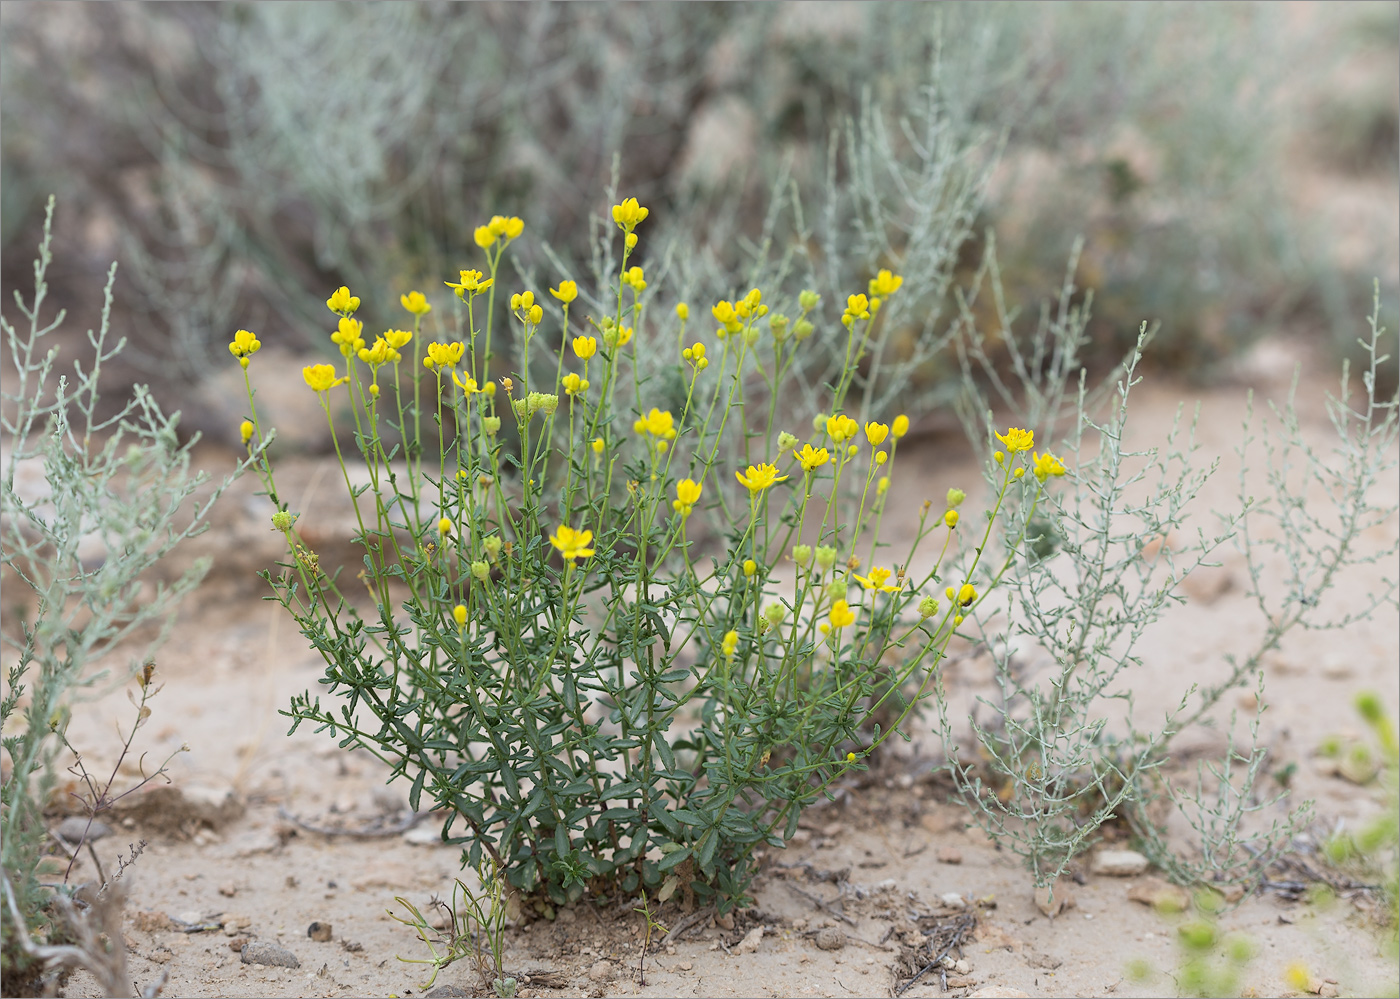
687, 495
566, 292
347, 336
443, 355
695, 354
342, 303
759, 477
243, 346
469, 284
416, 303
525, 309
659, 425
498, 228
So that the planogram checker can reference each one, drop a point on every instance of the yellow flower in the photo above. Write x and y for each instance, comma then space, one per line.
885, 284
566, 292
695, 354
634, 279
483, 236
444, 526
876, 580
459, 614
397, 339
598, 445
730, 644
876, 433
574, 385
415, 302
321, 377
342, 302
628, 214
468, 386
347, 336
572, 544
811, 458
850, 757
658, 424
841, 614
1046, 465
857, 307
469, 282
687, 494
585, 347
759, 478
841, 428
900, 426
380, 353
443, 355
243, 345
682, 311
883, 486
750, 567
967, 594
524, 300
245, 430
1017, 439
951, 519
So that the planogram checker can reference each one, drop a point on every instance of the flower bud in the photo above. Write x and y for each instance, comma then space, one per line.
786, 441
444, 526
900, 426
682, 311
801, 330
808, 300
955, 498
492, 545
282, 521
491, 424
928, 607
775, 614
883, 486
598, 445
481, 571
1018, 473
631, 241
802, 554
835, 590
245, 430
459, 614
951, 519
881, 457
778, 326
826, 557
750, 567
819, 423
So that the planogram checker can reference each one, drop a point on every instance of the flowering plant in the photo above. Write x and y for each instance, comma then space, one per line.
599, 700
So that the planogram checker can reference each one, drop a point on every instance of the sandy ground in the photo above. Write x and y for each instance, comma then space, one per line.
228, 846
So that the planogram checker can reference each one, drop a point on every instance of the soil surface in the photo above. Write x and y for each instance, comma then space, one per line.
860, 899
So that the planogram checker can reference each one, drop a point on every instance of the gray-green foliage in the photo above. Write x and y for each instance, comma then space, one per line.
304, 146
116, 497
1103, 563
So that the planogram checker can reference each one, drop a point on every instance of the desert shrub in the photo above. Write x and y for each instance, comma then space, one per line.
116, 499
1097, 563
601, 701
237, 191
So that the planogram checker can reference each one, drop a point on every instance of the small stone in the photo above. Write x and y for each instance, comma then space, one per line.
351, 946
75, 829
1118, 863
686, 966
949, 855
998, 992
962, 967
1054, 899
237, 943
151, 922
1037, 959
602, 971
1338, 669
830, 938
258, 952
750, 942
235, 921
192, 918
319, 931
833, 829
952, 900
163, 955
1207, 584
726, 921
228, 889
1161, 895
424, 834
960, 981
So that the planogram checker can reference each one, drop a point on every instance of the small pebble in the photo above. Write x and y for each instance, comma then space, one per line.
750, 942
237, 944
602, 971
73, 828
319, 931
949, 855
228, 889
1118, 863
685, 966
257, 952
952, 900
830, 938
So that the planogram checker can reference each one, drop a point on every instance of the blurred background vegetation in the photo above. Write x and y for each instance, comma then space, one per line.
1232, 169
